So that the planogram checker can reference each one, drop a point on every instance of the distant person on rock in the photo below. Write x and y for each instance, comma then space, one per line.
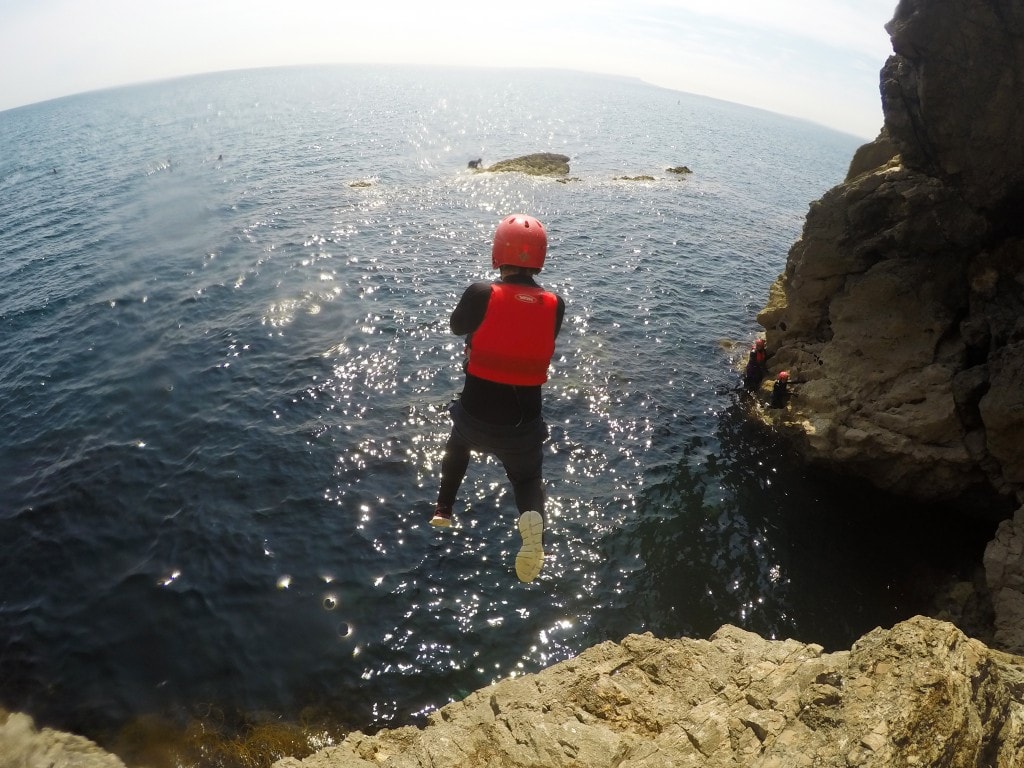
780, 391
510, 326
753, 374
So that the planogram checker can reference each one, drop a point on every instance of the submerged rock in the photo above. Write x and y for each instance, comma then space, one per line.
920, 693
539, 164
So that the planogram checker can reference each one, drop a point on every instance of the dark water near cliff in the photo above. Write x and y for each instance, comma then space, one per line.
223, 372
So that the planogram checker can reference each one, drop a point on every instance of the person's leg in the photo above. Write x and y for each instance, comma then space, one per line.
453, 468
523, 459
525, 473
454, 463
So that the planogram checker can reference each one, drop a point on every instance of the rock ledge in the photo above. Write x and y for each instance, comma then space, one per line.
921, 694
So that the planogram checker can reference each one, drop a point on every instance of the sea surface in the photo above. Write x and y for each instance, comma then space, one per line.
225, 365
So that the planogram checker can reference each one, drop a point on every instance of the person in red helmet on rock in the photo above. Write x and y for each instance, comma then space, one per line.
780, 391
753, 374
510, 326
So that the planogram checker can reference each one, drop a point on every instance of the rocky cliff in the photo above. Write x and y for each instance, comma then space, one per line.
919, 694
901, 308
900, 312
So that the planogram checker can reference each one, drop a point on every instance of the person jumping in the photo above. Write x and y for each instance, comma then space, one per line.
510, 326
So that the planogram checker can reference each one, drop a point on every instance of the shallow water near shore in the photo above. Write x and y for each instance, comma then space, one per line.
225, 366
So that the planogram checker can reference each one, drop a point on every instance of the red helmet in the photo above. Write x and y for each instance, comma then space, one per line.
783, 376
519, 241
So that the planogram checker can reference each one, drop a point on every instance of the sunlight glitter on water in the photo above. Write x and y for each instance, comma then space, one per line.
291, 371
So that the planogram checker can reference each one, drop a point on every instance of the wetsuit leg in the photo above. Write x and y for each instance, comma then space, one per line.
527, 485
453, 467
523, 462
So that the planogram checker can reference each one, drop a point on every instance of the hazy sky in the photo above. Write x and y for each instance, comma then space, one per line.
816, 59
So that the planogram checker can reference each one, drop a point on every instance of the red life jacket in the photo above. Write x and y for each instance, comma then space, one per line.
516, 339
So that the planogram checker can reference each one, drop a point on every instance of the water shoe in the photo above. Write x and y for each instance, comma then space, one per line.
530, 559
442, 516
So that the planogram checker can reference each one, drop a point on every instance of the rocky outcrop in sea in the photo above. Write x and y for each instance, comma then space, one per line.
537, 164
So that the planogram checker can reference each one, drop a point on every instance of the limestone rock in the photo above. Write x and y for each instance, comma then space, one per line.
22, 745
952, 92
898, 313
919, 694
539, 164
1004, 572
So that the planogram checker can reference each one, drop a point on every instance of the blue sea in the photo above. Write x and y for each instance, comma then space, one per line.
225, 365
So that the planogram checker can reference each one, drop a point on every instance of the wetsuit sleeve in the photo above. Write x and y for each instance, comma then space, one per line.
559, 315
469, 312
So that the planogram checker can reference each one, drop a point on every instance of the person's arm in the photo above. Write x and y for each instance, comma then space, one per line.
469, 312
559, 315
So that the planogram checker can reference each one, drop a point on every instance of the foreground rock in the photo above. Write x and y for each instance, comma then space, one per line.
919, 694
539, 164
22, 745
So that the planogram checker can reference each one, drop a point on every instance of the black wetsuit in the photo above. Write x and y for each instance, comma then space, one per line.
502, 419
754, 373
780, 394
